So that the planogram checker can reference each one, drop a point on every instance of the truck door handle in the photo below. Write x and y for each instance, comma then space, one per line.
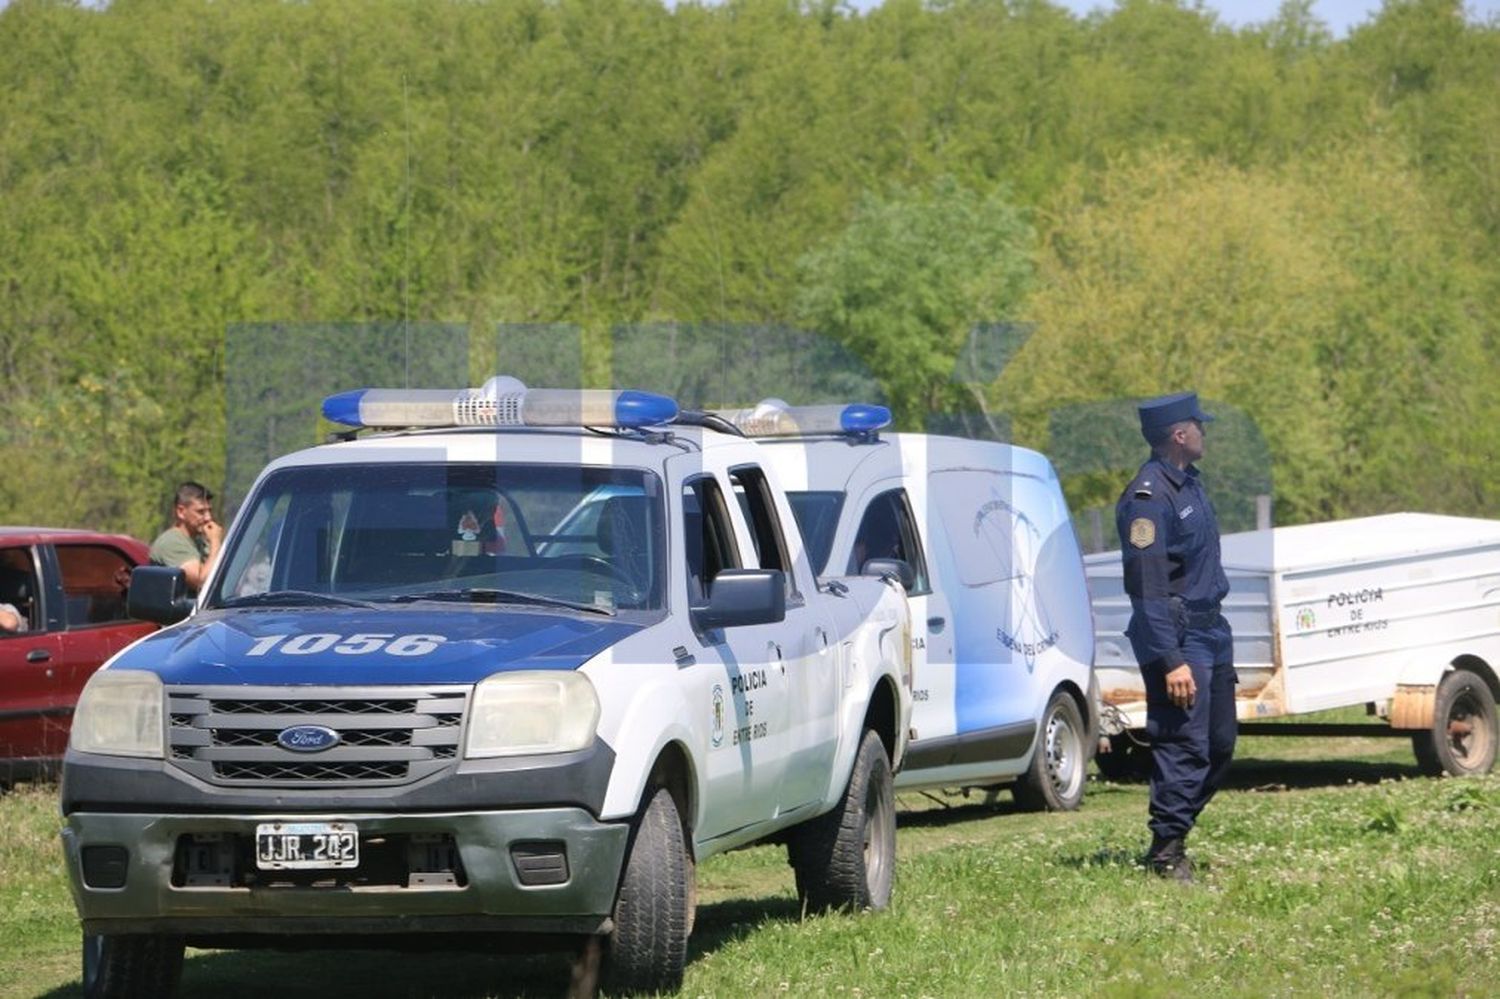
935, 624
38, 656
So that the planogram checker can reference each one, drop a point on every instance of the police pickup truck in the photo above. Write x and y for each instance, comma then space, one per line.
514, 673
1003, 640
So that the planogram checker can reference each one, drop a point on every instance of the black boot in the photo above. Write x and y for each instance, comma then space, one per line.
1168, 858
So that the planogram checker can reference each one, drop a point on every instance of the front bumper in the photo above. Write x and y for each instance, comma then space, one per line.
496, 887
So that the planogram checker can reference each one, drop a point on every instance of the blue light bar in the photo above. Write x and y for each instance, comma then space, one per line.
502, 402
774, 418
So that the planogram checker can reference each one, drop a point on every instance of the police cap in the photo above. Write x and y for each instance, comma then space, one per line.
1160, 413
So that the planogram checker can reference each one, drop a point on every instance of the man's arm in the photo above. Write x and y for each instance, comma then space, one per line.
1143, 549
10, 619
198, 569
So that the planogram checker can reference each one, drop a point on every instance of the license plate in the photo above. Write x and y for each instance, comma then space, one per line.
283, 845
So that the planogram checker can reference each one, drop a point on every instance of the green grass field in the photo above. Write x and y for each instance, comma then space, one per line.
1328, 868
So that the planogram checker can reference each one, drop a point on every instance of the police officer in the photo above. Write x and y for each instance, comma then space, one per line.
1169, 541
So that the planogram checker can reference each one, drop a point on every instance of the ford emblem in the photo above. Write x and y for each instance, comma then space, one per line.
307, 738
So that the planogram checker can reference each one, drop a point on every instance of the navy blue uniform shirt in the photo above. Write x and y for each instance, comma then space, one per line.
1169, 542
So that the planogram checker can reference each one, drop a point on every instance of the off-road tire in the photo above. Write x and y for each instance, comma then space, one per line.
846, 858
1058, 773
647, 947
1464, 733
131, 967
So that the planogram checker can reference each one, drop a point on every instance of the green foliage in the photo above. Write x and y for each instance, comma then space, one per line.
1307, 226
901, 284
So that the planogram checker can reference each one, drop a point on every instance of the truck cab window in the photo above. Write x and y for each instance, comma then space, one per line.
754, 495
18, 586
94, 578
709, 536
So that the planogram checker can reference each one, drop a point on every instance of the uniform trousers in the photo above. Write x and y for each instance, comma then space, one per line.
1191, 747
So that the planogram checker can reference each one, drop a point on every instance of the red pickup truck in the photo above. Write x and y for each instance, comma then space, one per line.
69, 589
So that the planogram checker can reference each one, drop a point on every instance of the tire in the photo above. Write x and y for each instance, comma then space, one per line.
131, 967
647, 947
1059, 767
1128, 760
845, 859
1464, 732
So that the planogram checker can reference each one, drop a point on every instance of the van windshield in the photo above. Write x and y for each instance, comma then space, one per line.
563, 535
817, 514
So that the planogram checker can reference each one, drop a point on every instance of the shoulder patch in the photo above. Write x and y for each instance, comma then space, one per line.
1142, 532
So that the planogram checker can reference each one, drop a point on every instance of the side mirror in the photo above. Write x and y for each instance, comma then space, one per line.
891, 568
158, 593
743, 596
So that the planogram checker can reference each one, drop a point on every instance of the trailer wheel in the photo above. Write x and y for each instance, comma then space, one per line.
647, 948
1055, 780
131, 967
1464, 731
846, 858
1128, 760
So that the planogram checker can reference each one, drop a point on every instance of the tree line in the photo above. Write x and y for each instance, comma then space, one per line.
1305, 229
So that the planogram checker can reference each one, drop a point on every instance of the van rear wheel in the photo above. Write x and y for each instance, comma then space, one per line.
1464, 733
1055, 780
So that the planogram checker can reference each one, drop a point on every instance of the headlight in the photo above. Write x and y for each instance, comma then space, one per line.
543, 711
120, 714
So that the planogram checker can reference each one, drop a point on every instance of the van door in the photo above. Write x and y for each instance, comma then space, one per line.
891, 525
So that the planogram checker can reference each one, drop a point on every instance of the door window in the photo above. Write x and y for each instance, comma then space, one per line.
888, 530
759, 508
95, 579
18, 587
708, 536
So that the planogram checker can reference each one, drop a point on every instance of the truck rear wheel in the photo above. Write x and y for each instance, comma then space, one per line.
131, 967
1055, 780
846, 858
648, 945
1464, 731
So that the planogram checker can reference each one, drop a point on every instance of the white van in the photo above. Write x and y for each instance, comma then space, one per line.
1003, 641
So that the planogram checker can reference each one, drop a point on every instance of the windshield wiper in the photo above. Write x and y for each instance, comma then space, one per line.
481, 595
292, 598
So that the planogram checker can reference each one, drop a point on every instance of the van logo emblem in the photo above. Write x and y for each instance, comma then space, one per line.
307, 738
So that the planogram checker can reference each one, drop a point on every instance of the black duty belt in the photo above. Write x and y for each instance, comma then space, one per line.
1203, 618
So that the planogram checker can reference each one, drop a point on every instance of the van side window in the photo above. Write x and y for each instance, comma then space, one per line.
708, 536
888, 530
756, 503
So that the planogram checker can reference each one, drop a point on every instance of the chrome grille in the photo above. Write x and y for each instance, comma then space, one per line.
387, 736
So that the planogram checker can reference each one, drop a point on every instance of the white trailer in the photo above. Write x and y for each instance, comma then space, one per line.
1400, 613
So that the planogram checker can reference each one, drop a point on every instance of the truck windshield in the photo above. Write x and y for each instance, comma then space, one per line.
536, 535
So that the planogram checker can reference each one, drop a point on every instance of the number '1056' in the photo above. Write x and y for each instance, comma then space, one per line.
346, 645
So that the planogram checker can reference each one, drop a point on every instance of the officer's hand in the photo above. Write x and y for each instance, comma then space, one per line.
1180, 686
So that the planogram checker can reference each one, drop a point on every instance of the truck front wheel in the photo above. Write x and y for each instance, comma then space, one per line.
131, 967
1054, 781
648, 945
846, 858
1464, 731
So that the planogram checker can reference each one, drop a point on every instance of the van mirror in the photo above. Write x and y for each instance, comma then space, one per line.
158, 593
891, 568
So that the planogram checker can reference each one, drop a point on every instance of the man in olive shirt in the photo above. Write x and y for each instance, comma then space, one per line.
192, 542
